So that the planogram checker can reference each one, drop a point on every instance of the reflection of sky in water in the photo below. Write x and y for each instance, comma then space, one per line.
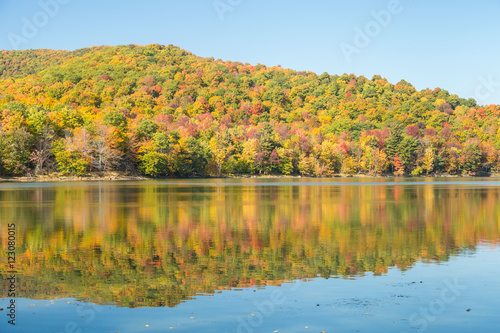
368, 304
153, 247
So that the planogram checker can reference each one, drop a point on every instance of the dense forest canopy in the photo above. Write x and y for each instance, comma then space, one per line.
162, 111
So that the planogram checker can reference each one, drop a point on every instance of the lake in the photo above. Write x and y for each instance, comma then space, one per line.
252, 255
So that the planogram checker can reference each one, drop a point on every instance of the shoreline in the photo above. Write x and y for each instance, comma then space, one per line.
121, 176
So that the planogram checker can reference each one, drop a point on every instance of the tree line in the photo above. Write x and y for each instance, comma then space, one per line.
161, 111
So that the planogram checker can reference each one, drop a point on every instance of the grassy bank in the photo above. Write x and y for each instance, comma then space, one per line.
117, 176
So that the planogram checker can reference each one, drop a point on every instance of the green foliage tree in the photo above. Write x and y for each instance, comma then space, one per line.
15, 151
154, 164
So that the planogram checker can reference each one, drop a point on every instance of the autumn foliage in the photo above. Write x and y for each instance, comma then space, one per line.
161, 111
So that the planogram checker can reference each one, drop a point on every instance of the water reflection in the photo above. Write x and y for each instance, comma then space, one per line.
158, 243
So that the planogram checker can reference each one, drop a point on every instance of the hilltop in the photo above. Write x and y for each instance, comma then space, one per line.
161, 111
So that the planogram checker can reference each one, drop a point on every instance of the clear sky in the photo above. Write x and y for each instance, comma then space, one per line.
453, 45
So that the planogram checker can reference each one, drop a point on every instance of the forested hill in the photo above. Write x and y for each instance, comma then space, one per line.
161, 111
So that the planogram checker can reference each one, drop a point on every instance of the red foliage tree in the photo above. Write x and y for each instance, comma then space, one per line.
399, 167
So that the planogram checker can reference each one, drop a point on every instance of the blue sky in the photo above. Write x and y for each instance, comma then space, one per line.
451, 45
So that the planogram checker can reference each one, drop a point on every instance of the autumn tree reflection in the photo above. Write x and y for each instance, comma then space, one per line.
157, 245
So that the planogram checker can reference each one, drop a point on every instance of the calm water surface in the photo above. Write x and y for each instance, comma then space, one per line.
273, 255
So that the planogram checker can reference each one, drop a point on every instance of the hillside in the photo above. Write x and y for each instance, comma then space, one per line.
161, 111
